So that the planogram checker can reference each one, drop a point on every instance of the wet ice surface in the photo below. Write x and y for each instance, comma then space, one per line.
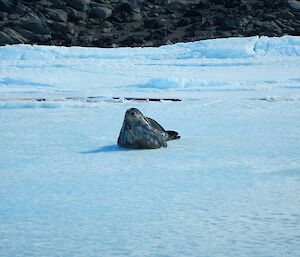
229, 187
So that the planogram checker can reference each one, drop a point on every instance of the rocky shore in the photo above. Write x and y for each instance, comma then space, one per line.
103, 23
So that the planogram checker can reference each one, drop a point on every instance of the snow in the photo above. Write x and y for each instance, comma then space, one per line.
229, 187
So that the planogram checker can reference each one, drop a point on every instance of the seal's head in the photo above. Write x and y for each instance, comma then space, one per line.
134, 116
133, 113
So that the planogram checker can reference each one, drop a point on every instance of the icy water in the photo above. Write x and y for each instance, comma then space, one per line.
229, 187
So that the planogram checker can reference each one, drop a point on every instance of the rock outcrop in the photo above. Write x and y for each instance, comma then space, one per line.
104, 23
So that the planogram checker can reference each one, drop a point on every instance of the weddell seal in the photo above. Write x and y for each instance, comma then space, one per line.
140, 132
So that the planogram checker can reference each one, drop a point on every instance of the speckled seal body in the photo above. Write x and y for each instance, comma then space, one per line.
140, 132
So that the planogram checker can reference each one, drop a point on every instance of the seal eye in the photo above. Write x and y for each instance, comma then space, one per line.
132, 114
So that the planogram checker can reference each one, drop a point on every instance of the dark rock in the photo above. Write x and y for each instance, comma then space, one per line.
106, 24
174, 6
75, 16
226, 26
133, 40
296, 32
297, 15
154, 14
152, 24
183, 22
285, 15
129, 7
286, 28
101, 12
269, 16
105, 40
246, 8
148, 44
3, 16
57, 15
193, 13
36, 26
225, 34
80, 5
106, 30
258, 13
162, 32
218, 1
28, 34
117, 18
22, 10
61, 27
33, 37
231, 4
203, 4
45, 3
139, 22
270, 28
218, 19
6, 6
30, 15
58, 4
5, 38
16, 37
136, 17
43, 38
68, 37
92, 22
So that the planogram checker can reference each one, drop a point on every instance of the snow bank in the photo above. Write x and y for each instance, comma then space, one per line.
216, 48
220, 48
166, 83
258, 64
287, 45
243, 47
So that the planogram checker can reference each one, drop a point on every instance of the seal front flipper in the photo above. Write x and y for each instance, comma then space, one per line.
160, 136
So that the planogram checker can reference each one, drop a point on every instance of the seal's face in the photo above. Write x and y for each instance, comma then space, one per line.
133, 115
